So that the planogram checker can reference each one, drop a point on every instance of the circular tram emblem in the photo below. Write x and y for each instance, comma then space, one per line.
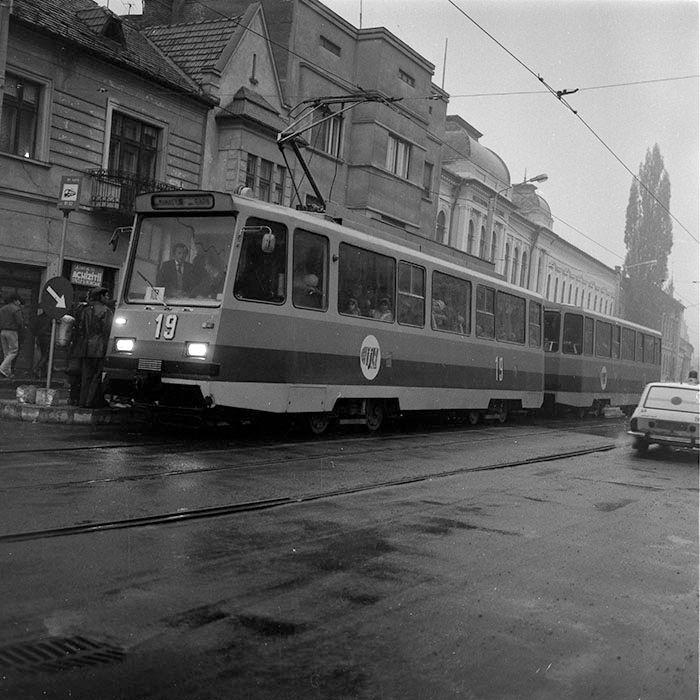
370, 357
603, 378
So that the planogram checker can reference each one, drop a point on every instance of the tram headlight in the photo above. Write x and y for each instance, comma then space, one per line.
196, 349
119, 321
124, 344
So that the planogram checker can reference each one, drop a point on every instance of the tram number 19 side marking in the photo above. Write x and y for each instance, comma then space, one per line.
165, 326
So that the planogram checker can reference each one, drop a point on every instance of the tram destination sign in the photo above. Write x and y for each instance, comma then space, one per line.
57, 297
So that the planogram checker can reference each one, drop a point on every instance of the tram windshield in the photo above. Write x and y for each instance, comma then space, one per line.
180, 260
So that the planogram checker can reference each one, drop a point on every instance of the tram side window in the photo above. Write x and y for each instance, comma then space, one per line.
649, 348
572, 341
639, 348
310, 264
510, 318
616, 342
657, 351
451, 303
411, 311
627, 344
485, 312
603, 339
552, 327
366, 283
262, 265
587, 336
535, 325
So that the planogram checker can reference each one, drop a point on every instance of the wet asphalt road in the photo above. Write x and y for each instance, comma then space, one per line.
569, 578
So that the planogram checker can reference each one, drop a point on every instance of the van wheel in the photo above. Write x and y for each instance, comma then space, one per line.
319, 422
641, 445
374, 414
502, 415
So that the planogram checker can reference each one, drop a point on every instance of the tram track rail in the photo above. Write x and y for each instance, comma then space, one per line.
196, 514
256, 464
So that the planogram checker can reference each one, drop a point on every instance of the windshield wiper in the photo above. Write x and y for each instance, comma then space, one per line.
155, 289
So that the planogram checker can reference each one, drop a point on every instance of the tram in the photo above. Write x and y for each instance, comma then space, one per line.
594, 361
234, 306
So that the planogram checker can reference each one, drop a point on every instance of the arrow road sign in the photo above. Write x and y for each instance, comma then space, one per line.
57, 297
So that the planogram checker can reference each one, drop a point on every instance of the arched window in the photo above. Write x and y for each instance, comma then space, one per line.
539, 273
523, 271
576, 297
549, 282
563, 290
568, 300
556, 288
506, 262
482, 243
588, 304
494, 238
470, 238
440, 227
514, 270
595, 303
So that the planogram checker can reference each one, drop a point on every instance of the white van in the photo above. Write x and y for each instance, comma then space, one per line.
668, 414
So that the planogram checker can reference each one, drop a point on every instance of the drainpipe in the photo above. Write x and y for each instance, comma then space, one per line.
5, 12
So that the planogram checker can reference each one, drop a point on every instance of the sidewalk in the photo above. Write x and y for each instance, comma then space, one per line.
60, 412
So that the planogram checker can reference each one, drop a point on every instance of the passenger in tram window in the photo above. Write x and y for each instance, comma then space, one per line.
352, 308
383, 311
176, 274
692, 377
439, 314
458, 325
306, 291
210, 282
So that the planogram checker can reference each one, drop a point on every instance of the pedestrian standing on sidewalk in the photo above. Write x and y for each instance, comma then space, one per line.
41, 330
95, 326
11, 329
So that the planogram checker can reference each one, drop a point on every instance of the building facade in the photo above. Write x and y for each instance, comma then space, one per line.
84, 95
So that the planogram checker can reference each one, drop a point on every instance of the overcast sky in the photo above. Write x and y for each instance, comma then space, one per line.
635, 64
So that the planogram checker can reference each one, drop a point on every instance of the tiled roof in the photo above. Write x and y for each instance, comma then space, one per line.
195, 46
80, 22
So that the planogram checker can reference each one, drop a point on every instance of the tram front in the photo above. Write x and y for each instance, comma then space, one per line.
162, 352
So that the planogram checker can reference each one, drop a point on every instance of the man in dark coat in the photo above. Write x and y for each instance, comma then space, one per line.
176, 274
94, 327
41, 329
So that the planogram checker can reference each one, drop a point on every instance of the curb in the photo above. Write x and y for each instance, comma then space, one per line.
73, 415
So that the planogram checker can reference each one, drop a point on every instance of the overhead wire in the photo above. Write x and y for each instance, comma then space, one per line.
559, 94
357, 88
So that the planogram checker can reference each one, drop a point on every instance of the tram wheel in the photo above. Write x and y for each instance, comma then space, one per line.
319, 422
502, 415
374, 414
581, 412
473, 417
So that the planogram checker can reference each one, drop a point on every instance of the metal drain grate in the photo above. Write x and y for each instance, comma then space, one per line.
59, 654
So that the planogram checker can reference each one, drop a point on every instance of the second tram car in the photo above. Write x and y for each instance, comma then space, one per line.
594, 361
235, 305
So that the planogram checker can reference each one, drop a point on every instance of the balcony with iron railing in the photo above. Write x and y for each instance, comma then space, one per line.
116, 191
